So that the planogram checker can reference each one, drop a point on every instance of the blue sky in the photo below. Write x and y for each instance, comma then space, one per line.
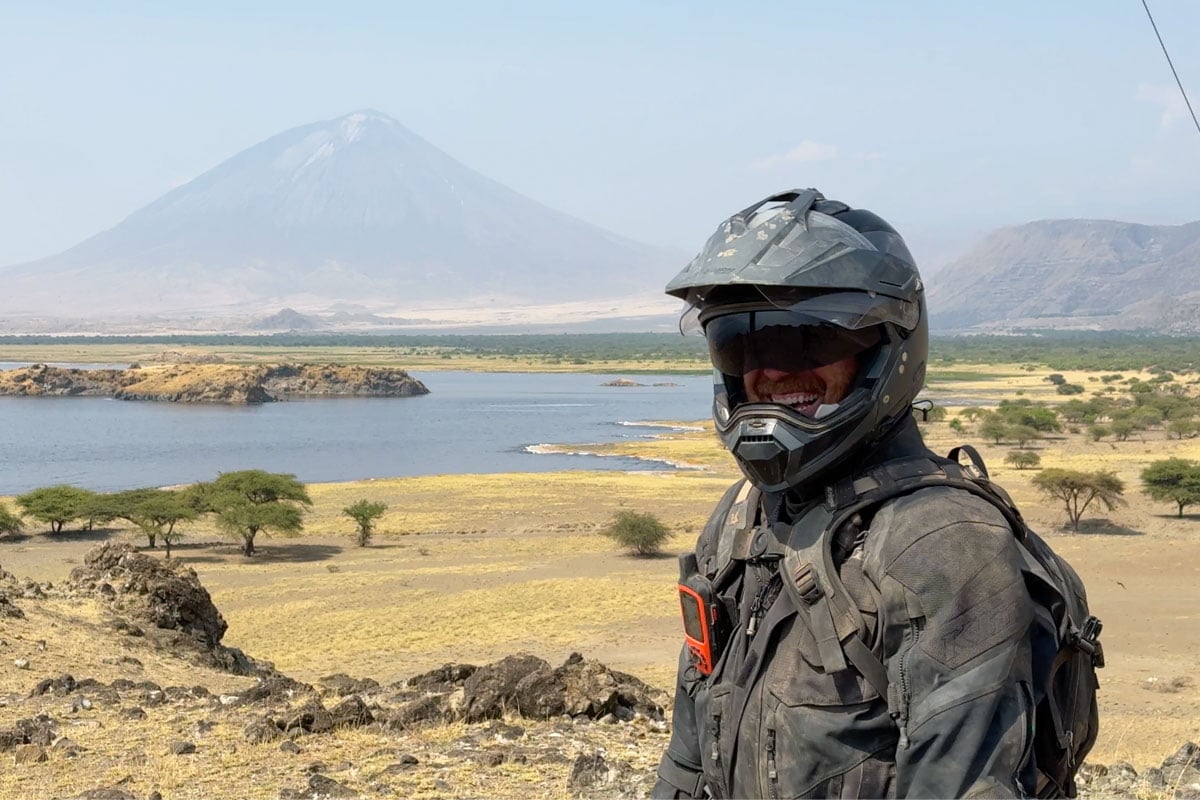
653, 119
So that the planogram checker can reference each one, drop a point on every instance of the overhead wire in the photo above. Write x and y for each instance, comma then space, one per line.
1171, 65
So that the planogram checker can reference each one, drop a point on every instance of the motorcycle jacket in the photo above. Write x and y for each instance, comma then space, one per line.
935, 577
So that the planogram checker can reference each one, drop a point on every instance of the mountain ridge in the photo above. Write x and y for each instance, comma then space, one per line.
1074, 274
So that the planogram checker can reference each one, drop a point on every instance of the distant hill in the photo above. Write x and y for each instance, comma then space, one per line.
1074, 274
351, 211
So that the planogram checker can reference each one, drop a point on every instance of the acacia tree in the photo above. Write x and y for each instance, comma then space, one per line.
364, 513
249, 501
993, 427
56, 505
157, 514
1173, 479
9, 522
1077, 490
1023, 459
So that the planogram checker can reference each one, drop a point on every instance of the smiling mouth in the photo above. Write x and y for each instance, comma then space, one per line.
803, 399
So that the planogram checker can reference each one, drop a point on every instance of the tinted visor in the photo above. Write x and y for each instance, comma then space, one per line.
783, 340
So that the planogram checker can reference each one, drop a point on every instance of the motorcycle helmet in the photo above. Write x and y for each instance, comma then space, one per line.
823, 300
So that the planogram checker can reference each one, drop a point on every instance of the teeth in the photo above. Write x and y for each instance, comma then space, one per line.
793, 399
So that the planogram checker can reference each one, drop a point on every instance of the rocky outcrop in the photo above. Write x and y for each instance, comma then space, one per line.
175, 611
211, 382
161, 593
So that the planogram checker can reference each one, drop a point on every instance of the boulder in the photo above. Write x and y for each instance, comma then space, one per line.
164, 594
491, 690
342, 685
584, 687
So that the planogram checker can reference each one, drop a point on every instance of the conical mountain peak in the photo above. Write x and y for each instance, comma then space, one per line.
355, 209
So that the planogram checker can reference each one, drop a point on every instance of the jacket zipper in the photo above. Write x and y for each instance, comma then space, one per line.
772, 772
900, 710
758, 607
714, 754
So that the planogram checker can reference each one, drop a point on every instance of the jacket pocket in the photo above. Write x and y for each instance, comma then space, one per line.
824, 734
715, 736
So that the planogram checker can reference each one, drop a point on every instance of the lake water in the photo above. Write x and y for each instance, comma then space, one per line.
470, 422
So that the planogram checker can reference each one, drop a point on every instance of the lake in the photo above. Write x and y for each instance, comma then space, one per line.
470, 422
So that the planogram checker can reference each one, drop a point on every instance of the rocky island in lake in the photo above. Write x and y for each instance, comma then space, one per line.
211, 383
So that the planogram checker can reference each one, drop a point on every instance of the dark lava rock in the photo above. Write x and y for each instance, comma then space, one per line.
165, 594
319, 786
9, 609
351, 712
182, 748
106, 793
589, 772
37, 730
505, 732
342, 685
434, 708
1185, 756
312, 717
261, 731
492, 689
59, 687
276, 688
584, 687
133, 713
443, 679
288, 746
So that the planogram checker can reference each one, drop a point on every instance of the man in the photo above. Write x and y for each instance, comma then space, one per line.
815, 318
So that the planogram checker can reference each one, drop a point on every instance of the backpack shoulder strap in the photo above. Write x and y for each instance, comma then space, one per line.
730, 530
811, 578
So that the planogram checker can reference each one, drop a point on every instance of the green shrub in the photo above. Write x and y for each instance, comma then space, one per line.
1069, 388
1056, 378
640, 533
1023, 459
364, 513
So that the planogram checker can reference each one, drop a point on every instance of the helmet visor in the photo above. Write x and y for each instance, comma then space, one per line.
849, 310
743, 341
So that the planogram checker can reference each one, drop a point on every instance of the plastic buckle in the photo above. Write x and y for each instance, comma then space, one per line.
806, 583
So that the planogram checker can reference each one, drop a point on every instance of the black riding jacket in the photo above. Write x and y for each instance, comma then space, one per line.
937, 576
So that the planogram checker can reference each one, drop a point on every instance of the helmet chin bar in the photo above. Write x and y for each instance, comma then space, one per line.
774, 451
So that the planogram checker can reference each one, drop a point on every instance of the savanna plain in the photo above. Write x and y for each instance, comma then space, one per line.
472, 568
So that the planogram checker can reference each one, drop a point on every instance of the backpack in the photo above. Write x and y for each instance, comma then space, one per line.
1064, 635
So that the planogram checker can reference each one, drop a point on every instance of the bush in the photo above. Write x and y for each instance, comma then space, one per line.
1023, 459
1056, 378
364, 513
1069, 388
641, 533
1098, 432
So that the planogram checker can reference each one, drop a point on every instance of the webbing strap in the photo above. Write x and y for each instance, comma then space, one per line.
868, 664
685, 780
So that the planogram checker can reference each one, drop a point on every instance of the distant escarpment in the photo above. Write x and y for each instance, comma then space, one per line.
1074, 274
211, 383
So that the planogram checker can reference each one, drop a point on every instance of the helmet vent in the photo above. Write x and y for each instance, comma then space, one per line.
757, 439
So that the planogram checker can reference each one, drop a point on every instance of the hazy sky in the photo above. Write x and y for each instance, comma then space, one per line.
653, 119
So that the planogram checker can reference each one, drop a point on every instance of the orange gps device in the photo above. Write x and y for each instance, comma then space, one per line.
704, 627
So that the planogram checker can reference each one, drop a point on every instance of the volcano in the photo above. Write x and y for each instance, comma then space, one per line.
356, 212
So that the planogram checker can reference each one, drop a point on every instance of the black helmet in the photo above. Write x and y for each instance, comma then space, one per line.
793, 283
